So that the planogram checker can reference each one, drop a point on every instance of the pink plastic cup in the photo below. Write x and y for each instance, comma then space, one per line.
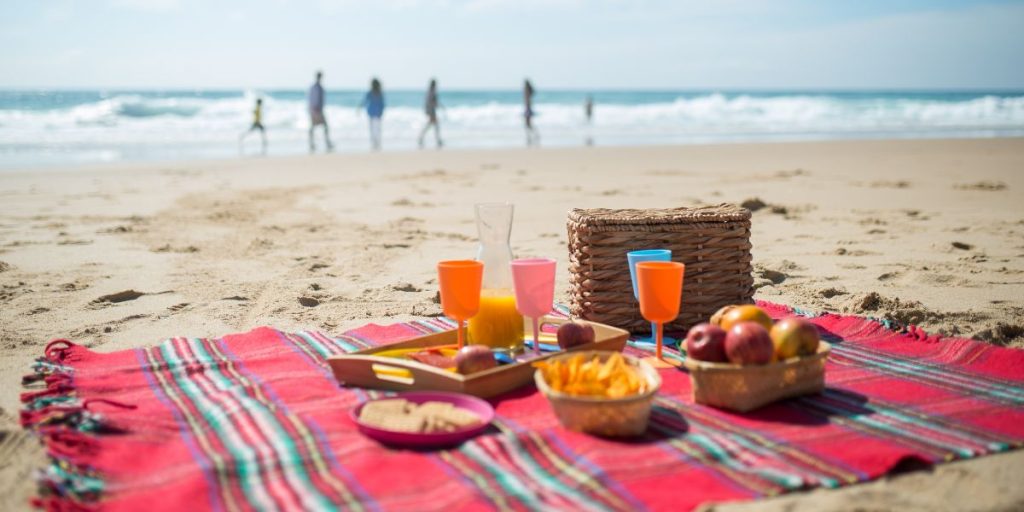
534, 282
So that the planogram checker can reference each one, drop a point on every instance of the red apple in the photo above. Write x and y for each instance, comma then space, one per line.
474, 358
572, 334
748, 343
706, 342
794, 336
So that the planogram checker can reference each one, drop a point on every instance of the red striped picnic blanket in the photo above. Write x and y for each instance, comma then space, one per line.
256, 421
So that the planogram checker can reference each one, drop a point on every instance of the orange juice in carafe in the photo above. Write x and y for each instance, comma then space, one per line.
497, 324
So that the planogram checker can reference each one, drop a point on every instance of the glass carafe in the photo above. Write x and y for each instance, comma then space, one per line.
498, 324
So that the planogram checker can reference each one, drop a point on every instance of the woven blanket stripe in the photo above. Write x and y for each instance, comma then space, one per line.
232, 419
255, 421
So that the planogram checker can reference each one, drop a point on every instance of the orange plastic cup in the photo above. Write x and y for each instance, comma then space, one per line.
660, 286
460, 289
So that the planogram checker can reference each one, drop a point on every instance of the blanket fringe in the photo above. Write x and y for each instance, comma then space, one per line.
67, 428
909, 330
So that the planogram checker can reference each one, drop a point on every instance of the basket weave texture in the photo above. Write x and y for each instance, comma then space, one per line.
745, 388
712, 241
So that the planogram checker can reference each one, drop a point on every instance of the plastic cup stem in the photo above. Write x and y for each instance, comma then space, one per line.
462, 341
536, 334
657, 347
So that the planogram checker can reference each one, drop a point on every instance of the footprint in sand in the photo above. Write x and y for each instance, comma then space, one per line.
843, 251
121, 296
405, 287
888, 276
117, 230
114, 298
73, 286
791, 173
184, 250
890, 184
987, 186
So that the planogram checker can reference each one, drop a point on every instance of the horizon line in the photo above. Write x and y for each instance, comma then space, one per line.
126, 88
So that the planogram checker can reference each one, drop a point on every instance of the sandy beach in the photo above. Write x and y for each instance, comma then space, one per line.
926, 232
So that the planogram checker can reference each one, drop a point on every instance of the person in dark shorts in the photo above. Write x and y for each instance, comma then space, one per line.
316, 113
257, 124
532, 137
430, 105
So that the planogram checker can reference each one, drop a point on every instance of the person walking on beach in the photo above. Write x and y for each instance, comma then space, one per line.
532, 137
257, 124
316, 113
430, 105
374, 104
588, 113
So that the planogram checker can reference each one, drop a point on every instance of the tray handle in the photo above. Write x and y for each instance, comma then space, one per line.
376, 372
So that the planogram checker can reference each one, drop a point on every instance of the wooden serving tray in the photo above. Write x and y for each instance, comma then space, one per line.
364, 369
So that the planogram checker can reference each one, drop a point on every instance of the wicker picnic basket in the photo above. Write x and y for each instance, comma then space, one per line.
745, 388
712, 241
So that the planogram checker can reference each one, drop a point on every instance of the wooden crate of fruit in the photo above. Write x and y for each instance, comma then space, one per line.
743, 360
744, 388
369, 369
712, 241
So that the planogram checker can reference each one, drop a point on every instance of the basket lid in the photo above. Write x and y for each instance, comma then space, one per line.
724, 212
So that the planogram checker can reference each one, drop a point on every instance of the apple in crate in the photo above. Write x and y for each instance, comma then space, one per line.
745, 313
706, 342
716, 319
748, 343
794, 336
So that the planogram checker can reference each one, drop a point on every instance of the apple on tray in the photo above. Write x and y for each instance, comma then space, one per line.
571, 334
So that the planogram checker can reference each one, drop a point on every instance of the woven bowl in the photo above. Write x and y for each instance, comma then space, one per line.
610, 417
745, 388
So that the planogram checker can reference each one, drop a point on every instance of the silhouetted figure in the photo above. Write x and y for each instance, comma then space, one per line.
532, 137
588, 113
316, 113
430, 105
257, 124
374, 103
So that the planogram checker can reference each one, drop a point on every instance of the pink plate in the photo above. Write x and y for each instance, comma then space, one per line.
471, 403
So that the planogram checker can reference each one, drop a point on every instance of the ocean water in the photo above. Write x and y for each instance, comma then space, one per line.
50, 128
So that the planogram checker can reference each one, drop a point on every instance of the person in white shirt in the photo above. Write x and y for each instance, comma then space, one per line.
316, 113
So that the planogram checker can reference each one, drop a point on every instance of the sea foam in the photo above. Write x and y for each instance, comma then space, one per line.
53, 127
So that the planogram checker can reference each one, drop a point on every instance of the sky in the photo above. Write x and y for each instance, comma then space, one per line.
494, 44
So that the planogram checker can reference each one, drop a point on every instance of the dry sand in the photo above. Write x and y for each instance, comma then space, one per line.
927, 232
